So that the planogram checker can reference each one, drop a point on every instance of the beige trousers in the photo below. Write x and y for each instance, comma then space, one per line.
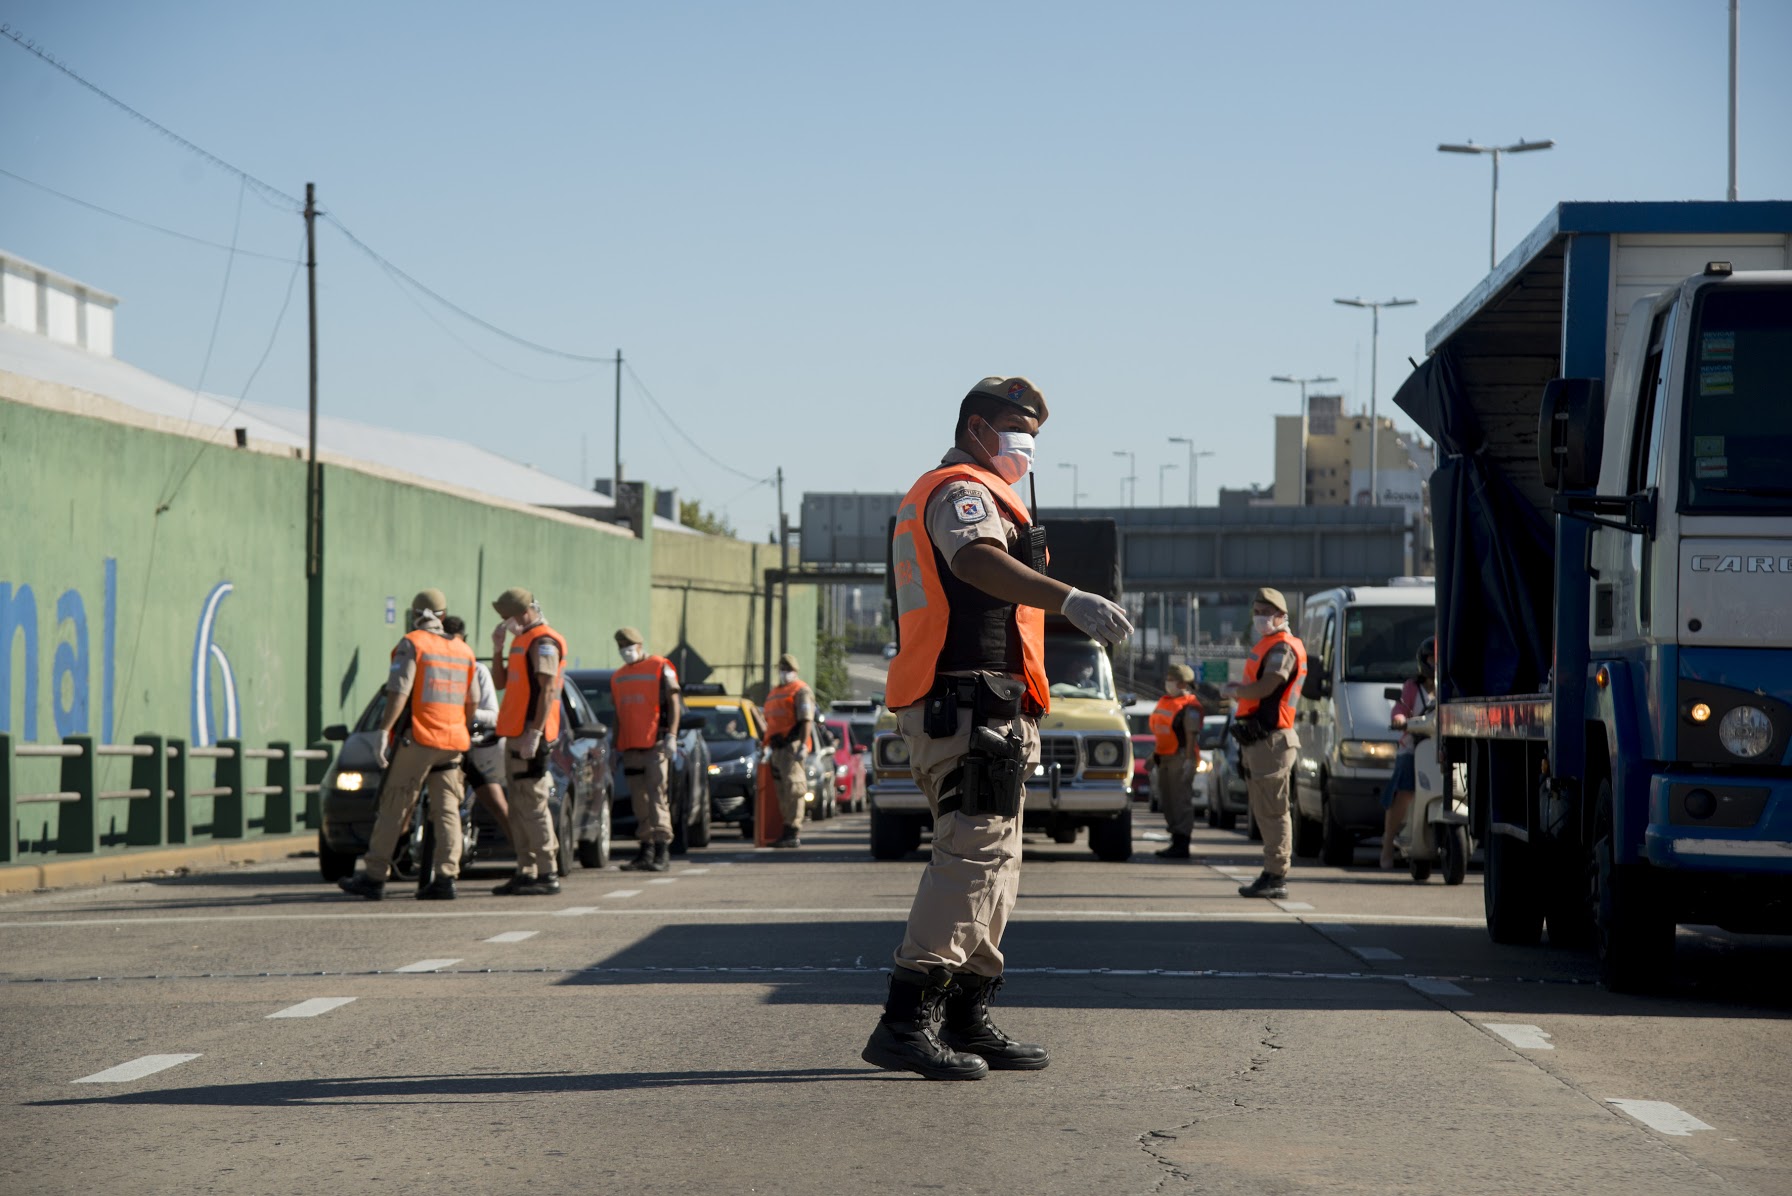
648, 771
973, 875
791, 784
408, 772
1175, 780
1271, 765
531, 820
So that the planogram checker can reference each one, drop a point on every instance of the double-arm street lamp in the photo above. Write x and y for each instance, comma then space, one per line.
1374, 352
1075, 485
1132, 475
1303, 383
1194, 459
1517, 147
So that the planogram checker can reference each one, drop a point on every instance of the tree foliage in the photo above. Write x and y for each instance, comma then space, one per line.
693, 516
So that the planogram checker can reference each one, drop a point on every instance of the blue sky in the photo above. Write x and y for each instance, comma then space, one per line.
811, 227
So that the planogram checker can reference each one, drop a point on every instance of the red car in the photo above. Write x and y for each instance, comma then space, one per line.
1144, 743
849, 768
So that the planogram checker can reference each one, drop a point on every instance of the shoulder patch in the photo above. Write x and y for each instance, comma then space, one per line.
971, 510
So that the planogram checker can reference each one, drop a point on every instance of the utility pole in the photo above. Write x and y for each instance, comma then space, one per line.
1374, 361
314, 692
1735, 65
616, 471
784, 572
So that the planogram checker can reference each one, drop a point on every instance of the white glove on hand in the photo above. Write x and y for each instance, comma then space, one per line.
527, 744
379, 749
1097, 617
498, 638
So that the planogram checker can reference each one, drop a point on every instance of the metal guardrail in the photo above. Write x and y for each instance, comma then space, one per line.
158, 810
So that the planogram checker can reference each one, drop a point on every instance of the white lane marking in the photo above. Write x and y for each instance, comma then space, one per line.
513, 936
1437, 988
623, 893
1660, 1116
1373, 953
136, 1069
693, 871
1332, 928
1524, 1037
428, 965
663, 880
1294, 907
573, 911
313, 1007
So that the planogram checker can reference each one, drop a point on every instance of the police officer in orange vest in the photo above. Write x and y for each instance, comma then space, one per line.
789, 719
529, 676
1176, 724
1264, 728
431, 685
968, 686
645, 693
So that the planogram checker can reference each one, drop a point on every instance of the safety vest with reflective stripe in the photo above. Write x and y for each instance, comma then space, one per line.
439, 691
1248, 708
780, 710
922, 614
1165, 718
522, 682
635, 688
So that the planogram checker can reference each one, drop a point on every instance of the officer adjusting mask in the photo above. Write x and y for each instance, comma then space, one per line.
633, 653
1264, 624
1012, 458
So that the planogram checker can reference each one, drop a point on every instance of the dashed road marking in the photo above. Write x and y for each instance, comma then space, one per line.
312, 1008
663, 880
1660, 1116
693, 871
513, 936
1294, 907
623, 893
1437, 988
1524, 1037
573, 911
428, 965
136, 1069
1375, 954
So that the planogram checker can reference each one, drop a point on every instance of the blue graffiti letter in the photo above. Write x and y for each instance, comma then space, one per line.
71, 662
18, 612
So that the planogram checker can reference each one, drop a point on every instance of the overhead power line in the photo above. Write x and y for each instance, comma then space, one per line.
171, 232
686, 436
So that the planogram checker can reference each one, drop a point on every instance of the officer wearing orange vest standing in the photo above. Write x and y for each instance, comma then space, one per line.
529, 676
1176, 724
789, 720
645, 693
1264, 728
968, 686
431, 682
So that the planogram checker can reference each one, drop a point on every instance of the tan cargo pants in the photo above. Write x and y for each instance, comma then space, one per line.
1175, 780
649, 771
411, 769
968, 889
791, 784
1271, 765
531, 820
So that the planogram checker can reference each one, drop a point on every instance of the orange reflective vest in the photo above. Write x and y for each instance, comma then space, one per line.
439, 691
1284, 710
635, 688
781, 708
1164, 721
922, 615
522, 683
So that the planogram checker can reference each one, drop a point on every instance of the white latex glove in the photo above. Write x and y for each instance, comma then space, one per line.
1097, 617
527, 744
498, 638
379, 749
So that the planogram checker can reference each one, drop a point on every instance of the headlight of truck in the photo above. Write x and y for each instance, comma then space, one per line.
893, 752
350, 782
1367, 753
1204, 765
1745, 731
1104, 753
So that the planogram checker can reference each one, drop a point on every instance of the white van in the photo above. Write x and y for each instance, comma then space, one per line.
1359, 642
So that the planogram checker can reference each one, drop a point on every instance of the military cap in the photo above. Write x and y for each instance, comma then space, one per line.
514, 603
430, 600
628, 635
1016, 392
1182, 673
1273, 597
787, 661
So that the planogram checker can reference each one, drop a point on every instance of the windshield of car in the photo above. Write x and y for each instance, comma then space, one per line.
1381, 643
376, 710
582, 714
862, 733
597, 693
1077, 669
1738, 422
1140, 722
724, 724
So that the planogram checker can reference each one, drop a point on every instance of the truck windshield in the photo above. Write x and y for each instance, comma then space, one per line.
1078, 669
1738, 404
1381, 643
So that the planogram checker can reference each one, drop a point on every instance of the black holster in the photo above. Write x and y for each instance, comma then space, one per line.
991, 778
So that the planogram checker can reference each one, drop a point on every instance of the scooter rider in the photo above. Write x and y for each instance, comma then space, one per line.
1417, 699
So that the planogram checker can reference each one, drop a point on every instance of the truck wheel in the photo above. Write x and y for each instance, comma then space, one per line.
1634, 928
1111, 838
893, 836
1509, 893
1452, 842
1337, 846
595, 853
334, 865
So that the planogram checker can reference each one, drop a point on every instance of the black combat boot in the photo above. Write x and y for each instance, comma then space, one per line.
439, 889
545, 885
967, 1027
1177, 850
508, 888
905, 1040
662, 858
363, 885
643, 861
1268, 885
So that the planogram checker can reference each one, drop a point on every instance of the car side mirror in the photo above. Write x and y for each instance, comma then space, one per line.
1571, 433
1315, 687
336, 733
692, 722
1128, 699
590, 731
1392, 693
860, 749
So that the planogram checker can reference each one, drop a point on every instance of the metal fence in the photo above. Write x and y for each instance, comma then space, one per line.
157, 808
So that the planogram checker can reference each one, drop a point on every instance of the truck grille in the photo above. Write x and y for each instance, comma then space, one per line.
1059, 750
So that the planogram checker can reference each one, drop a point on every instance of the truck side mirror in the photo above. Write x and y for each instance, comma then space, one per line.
1315, 687
1571, 433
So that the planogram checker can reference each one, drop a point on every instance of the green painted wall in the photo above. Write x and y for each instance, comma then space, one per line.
708, 609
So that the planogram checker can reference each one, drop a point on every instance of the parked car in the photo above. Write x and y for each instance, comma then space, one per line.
579, 761
1144, 744
849, 766
687, 790
1227, 797
732, 729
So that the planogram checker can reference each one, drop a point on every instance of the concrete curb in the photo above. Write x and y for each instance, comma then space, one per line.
97, 870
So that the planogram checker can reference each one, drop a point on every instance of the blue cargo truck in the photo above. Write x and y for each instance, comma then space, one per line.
1613, 513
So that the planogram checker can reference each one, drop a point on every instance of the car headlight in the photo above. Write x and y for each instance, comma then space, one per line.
1104, 753
350, 782
715, 770
1361, 753
893, 751
1204, 765
1746, 731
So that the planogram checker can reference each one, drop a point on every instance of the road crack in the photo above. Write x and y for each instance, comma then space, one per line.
1155, 1142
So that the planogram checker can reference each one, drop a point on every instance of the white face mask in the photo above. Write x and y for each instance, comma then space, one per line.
1264, 624
633, 653
785, 676
1013, 459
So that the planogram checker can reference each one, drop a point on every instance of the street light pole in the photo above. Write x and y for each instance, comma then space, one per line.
1374, 361
1191, 464
1132, 475
1302, 383
1075, 485
1517, 147
1735, 66
1160, 481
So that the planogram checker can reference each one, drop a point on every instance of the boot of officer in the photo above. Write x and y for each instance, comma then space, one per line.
968, 687
1177, 749
645, 694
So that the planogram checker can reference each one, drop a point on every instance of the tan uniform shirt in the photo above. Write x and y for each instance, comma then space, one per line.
963, 512
404, 661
